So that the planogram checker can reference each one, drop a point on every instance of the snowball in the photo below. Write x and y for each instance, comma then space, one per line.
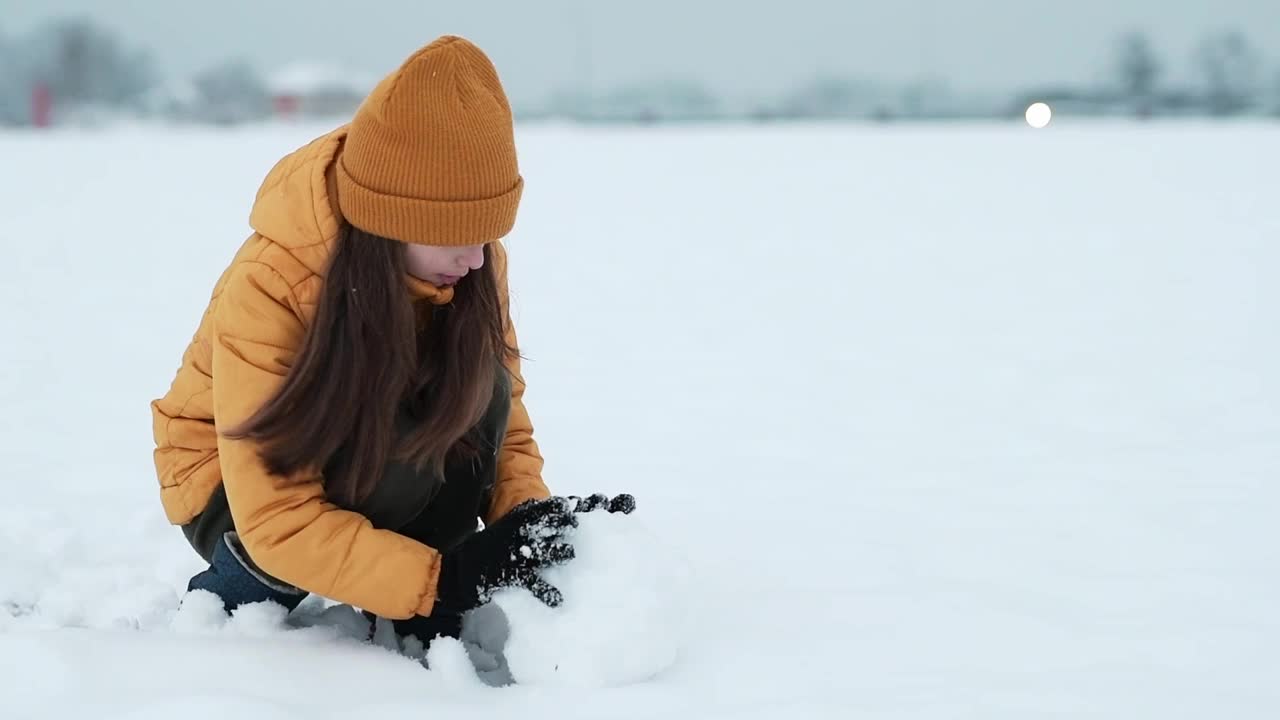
623, 618
200, 612
451, 665
260, 619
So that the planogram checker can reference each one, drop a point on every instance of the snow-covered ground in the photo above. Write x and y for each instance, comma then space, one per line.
944, 422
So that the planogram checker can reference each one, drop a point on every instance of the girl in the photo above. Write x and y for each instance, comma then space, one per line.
351, 403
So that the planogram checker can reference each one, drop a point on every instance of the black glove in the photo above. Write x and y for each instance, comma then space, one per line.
508, 553
623, 503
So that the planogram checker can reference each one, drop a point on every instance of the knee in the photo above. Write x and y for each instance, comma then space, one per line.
232, 578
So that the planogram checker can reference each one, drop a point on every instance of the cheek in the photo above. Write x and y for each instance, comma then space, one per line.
423, 258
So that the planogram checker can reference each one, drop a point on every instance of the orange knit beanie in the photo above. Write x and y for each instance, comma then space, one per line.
430, 155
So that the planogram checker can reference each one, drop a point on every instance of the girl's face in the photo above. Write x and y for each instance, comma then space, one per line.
442, 266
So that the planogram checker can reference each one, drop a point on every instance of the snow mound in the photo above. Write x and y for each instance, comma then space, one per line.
623, 619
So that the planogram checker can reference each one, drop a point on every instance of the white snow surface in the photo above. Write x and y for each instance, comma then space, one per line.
964, 421
624, 618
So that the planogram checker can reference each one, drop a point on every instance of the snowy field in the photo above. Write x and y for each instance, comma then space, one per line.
944, 422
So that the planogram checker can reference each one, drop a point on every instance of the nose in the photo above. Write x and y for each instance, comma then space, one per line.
472, 257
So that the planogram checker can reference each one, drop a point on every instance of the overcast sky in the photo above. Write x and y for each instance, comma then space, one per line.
738, 48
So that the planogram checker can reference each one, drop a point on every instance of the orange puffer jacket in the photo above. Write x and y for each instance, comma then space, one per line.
256, 319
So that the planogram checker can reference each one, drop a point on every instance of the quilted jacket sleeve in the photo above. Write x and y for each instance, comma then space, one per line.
286, 524
519, 462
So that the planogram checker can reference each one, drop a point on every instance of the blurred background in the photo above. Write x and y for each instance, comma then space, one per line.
84, 62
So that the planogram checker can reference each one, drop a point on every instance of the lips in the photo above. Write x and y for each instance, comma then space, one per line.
450, 279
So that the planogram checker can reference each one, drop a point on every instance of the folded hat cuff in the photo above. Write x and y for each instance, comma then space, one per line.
452, 223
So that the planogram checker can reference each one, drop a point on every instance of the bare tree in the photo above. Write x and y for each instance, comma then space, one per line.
1275, 95
13, 90
835, 96
1229, 66
85, 64
1139, 72
231, 93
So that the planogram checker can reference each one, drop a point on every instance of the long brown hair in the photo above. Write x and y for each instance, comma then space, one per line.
364, 361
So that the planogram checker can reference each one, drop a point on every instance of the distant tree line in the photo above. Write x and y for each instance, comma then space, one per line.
1231, 76
76, 70
84, 71
75, 62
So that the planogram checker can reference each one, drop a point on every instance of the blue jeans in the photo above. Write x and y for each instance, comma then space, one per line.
233, 577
